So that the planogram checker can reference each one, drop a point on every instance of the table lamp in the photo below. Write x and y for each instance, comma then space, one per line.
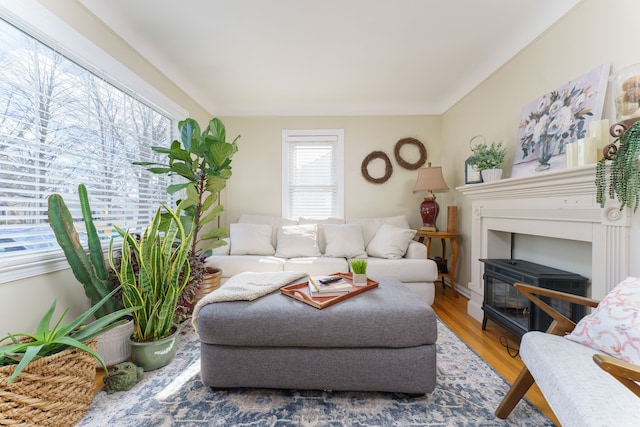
430, 179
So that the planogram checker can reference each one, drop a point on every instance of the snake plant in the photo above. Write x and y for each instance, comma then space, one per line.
47, 341
154, 269
88, 266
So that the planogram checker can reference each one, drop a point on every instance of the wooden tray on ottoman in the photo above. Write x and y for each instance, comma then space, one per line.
300, 291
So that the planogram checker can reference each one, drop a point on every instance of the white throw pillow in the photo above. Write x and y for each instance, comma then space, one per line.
322, 242
390, 242
250, 239
344, 241
298, 241
370, 226
614, 326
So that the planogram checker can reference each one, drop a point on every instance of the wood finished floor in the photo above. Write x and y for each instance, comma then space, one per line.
453, 313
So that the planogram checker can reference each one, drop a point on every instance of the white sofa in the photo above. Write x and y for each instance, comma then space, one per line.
324, 246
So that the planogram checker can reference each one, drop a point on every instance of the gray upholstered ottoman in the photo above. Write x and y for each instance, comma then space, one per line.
381, 340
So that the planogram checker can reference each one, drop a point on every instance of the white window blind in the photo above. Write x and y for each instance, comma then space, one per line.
62, 125
313, 178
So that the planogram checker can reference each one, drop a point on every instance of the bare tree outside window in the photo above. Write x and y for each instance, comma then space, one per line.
62, 125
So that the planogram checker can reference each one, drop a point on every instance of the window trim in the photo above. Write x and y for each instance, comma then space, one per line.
339, 134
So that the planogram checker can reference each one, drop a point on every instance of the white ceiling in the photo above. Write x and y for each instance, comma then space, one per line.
328, 57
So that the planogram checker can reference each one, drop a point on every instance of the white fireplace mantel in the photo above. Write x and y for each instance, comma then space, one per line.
559, 204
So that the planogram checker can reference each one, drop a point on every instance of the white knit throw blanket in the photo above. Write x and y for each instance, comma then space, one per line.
246, 287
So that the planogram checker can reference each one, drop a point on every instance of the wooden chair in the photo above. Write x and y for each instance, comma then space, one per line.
626, 373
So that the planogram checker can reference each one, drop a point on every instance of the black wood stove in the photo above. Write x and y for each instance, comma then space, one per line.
506, 306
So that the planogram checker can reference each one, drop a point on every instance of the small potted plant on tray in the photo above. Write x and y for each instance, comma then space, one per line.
359, 271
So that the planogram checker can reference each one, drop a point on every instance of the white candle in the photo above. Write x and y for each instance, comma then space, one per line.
600, 130
571, 151
587, 151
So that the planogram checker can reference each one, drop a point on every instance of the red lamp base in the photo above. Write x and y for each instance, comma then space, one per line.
429, 211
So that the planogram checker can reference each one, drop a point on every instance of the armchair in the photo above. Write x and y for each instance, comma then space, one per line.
565, 372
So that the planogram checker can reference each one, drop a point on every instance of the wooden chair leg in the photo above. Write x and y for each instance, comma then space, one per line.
520, 386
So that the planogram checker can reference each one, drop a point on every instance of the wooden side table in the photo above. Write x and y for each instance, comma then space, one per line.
443, 236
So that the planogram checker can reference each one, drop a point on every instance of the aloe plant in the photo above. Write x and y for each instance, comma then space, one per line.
154, 270
88, 265
47, 341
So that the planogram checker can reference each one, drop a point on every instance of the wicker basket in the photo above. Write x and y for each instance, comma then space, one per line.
210, 282
55, 390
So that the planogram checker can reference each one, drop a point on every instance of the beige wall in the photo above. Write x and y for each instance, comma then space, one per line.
255, 186
595, 32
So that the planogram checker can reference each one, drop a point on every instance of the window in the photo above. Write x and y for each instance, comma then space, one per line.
62, 125
312, 177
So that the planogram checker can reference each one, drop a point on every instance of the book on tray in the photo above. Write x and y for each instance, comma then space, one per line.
328, 286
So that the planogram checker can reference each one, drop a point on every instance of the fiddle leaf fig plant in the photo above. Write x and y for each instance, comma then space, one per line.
203, 160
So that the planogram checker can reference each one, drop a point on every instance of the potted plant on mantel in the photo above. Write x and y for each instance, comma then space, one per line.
203, 160
489, 160
89, 268
154, 270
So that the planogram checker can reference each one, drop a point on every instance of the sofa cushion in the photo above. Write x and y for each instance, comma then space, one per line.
250, 239
344, 241
274, 221
614, 326
320, 222
578, 391
390, 242
297, 241
405, 270
234, 264
316, 266
370, 226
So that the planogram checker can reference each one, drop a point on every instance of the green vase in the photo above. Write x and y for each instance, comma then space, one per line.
152, 355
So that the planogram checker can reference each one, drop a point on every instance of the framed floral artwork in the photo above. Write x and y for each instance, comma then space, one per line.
556, 119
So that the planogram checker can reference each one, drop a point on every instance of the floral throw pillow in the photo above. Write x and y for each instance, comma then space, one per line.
614, 326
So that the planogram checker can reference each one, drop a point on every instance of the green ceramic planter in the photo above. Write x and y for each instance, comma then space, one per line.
154, 354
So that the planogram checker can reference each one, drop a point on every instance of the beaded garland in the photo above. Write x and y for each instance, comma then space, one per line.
624, 180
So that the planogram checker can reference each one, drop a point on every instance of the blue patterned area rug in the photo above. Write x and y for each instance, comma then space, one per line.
467, 394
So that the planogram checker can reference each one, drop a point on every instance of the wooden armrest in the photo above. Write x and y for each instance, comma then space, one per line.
625, 372
561, 324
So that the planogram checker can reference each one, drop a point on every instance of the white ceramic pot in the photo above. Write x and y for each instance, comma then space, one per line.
114, 345
359, 279
489, 175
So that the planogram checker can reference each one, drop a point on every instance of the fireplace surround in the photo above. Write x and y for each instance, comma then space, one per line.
558, 204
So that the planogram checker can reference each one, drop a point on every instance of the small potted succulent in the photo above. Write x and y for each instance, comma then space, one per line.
489, 160
359, 271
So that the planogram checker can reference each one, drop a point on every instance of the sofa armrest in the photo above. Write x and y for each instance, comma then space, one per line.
416, 250
561, 324
625, 372
224, 249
